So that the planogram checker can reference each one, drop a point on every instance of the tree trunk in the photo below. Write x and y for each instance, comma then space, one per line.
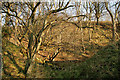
97, 21
90, 25
27, 67
82, 39
113, 22
89, 34
114, 30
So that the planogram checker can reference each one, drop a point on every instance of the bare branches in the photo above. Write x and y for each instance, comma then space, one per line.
106, 5
99, 8
77, 16
8, 6
60, 9
34, 9
10, 14
67, 3
29, 39
14, 62
113, 18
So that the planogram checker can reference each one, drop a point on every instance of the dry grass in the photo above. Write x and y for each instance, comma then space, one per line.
70, 44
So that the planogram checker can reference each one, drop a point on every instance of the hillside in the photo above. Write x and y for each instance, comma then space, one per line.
91, 58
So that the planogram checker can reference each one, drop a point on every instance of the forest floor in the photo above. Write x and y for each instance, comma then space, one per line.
99, 60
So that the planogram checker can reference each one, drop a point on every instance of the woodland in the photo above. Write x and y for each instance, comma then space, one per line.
60, 39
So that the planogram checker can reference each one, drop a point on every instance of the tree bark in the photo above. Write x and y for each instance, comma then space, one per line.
97, 20
113, 22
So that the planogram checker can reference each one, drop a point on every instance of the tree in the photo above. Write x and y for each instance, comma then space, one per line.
98, 7
113, 18
30, 29
89, 10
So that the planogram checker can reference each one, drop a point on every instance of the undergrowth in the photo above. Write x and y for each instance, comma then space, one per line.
103, 65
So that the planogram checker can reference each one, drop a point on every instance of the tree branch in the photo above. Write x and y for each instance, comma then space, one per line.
58, 10
14, 62
77, 16
34, 10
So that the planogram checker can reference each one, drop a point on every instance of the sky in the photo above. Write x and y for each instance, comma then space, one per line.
70, 11
55, 0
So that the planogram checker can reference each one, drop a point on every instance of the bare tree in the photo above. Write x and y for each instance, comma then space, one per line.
98, 7
89, 10
29, 39
113, 18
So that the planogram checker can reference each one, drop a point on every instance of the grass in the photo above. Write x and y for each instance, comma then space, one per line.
104, 64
